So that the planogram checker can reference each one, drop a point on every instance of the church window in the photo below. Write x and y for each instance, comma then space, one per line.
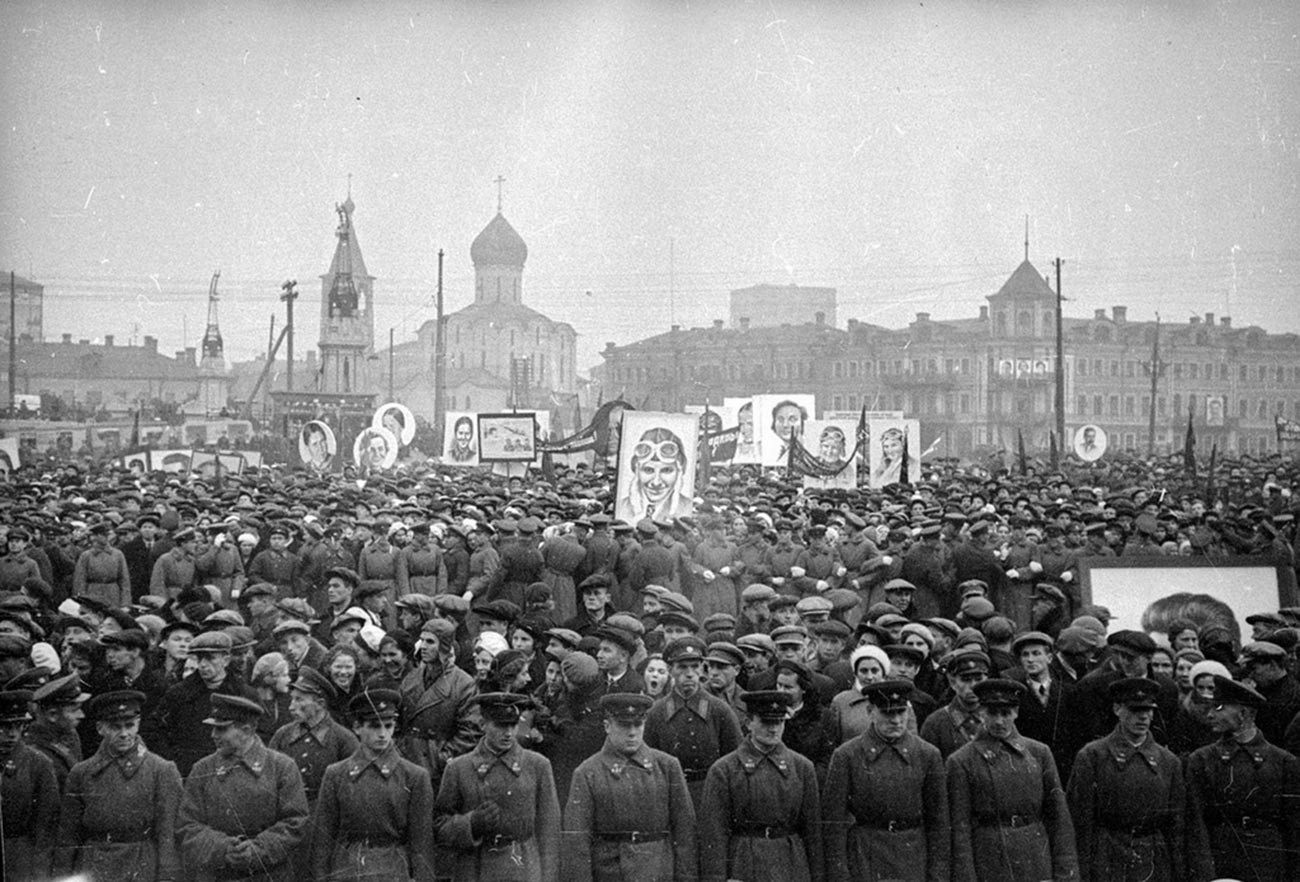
1025, 322
347, 377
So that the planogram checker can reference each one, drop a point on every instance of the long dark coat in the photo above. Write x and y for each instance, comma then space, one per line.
885, 811
1009, 818
1242, 818
760, 818
372, 820
614, 794
118, 818
1127, 807
521, 784
255, 796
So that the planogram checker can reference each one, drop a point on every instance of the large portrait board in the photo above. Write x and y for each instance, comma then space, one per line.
1090, 442
317, 446
1146, 593
656, 465
776, 419
398, 419
888, 440
374, 449
460, 438
746, 442
507, 437
831, 443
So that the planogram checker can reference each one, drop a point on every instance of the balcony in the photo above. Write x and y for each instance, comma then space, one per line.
922, 380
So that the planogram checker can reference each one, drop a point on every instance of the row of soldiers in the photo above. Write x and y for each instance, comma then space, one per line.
891, 806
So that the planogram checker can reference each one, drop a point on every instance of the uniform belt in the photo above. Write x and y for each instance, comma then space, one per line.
633, 835
494, 843
757, 831
1149, 828
893, 825
373, 842
695, 775
113, 839
1244, 821
1009, 821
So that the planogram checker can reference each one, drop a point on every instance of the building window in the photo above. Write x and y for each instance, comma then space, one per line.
839, 374
1262, 412
1178, 403
1223, 372
1129, 409
1130, 368
1146, 403
1160, 405
1243, 373
1082, 370
1194, 371
965, 402
1178, 370
837, 402
1114, 368
1130, 441
1243, 408
1081, 408
1096, 405
965, 365
1281, 375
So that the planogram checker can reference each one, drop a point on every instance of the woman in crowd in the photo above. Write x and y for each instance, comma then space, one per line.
270, 680
342, 666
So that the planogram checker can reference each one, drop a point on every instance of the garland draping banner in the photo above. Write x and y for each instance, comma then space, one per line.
600, 435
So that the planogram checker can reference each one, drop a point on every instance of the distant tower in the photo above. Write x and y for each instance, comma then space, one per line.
214, 378
498, 253
347, 326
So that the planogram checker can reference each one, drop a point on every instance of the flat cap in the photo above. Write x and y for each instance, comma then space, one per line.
789, 634
1261, 650
757, 593
756, 643
725, 653
1134, 642
211, 641
1031, 638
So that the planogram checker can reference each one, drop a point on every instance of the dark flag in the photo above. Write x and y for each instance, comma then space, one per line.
577, 413
1055, 454
803, 462
705, 447
548, 466
1189, 447
1209, 477
905, 469
1020, 452
863, 429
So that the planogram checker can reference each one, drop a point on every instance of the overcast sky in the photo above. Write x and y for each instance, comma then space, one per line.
891, 150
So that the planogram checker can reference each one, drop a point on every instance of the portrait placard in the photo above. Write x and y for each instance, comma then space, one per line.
397, 419
656, 465
317, 446
374, 449
831, 443
746, 443
885, 453
776, 419
460, 438
1147, 593
1090, 442
506, 437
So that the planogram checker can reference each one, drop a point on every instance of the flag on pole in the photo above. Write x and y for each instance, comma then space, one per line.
1209, 477
135, 430
934, 445
1021, 465
706, 450
905, 467
1189, 447
1055, 454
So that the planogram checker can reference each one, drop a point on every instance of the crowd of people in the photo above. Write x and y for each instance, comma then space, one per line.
436, 673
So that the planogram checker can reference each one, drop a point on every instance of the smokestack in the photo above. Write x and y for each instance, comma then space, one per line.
1225, 322
67, 339
717, 324
1099, 313
744, 323
984, 313
1120, 313
108, 339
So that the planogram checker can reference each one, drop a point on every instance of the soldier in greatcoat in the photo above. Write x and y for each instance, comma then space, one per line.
372, 817
1242, 797
496, 814
29, 794
629, 817
118, 817
101, 571
1009, 818
885, 806
760, 818
314, 741
243, 809
1126, 796
58, 713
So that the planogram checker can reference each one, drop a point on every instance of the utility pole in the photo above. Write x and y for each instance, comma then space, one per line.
13, 344
1060, 360
390, 363
289, 296
1156, 369
439, 364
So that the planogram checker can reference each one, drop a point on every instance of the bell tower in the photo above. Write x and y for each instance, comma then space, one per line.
347, 324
